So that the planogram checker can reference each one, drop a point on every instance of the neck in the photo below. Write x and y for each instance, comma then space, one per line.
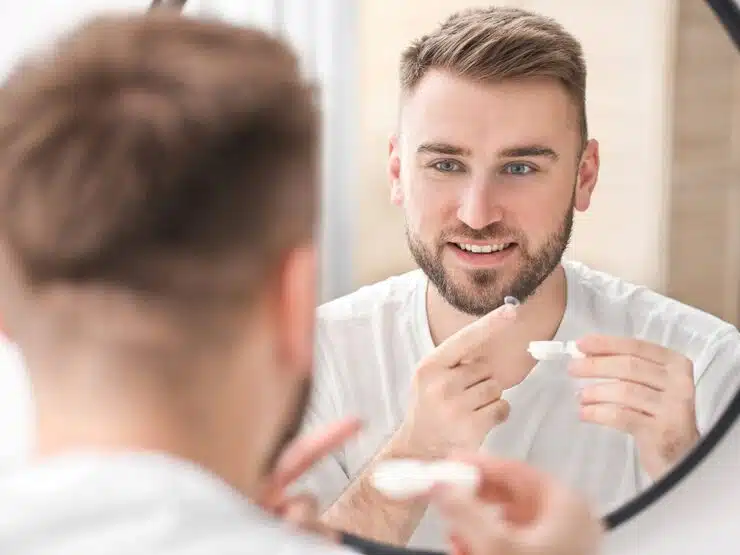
538, 319
93, 401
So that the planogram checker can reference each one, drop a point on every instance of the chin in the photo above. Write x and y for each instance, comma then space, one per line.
477, 282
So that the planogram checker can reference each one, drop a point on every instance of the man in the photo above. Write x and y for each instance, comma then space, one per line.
489, 162
158, 199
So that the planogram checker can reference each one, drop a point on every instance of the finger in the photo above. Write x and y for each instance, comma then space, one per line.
616, 417
516, 487
621, 367
454, 349
638, 397
458, 546
454, 384
306, 451
303, 513
473, 373
480, 395
477, 526
494, 413
300, 508
600, 345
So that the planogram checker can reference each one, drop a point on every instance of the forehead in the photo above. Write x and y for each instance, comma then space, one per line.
449, 108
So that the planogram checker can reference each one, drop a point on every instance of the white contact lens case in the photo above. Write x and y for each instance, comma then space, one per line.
402, 479
560, 350
554, 350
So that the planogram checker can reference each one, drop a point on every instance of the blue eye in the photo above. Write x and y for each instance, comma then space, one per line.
446, 166
519, 169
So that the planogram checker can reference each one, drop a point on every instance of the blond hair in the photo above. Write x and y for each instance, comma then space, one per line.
495, 44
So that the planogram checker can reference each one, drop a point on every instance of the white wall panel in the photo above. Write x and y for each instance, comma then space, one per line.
324, 34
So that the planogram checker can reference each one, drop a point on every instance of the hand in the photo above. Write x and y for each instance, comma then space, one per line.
649, 394
517, 511
455, 400
302, 510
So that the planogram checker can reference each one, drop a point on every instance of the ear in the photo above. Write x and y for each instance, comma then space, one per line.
588, 174
394, 170
297, 308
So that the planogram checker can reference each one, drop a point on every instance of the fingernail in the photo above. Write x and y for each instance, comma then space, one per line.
508, 309
507, 312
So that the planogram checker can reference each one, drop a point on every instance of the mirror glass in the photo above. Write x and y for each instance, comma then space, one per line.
652, 265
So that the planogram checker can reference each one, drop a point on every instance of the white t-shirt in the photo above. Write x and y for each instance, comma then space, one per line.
137, 503
369, 342
16, 407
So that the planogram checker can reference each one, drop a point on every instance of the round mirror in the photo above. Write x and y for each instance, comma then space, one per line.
577, 157
472, 161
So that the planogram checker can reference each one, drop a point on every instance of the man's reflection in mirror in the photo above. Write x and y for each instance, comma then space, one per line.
491, 159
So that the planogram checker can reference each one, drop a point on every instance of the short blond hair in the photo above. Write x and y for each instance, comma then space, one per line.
500, 43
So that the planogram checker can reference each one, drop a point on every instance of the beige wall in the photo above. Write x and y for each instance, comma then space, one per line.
704, 216
628, 46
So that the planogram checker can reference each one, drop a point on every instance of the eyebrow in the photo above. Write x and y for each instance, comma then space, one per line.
511, 152
529, 151
443, 148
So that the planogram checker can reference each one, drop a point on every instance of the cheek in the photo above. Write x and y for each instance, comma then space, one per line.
430, 210
540, 212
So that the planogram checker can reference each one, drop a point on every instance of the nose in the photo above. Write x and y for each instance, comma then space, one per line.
478, 208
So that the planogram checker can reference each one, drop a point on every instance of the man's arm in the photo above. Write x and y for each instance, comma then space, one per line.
363, 511
719, 380
354, 506
448, 410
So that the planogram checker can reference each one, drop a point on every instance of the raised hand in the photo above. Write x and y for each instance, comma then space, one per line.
455, 401
301, 510
455, 398
517, 511
648, 393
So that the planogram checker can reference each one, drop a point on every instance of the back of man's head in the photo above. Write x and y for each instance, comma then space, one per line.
152, 168
156, 154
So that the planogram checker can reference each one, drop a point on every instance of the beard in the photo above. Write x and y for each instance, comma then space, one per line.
488, 286
295, 423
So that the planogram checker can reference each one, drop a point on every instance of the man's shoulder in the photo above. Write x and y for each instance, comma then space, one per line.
277, 539
170, 505
391, 295
610, 301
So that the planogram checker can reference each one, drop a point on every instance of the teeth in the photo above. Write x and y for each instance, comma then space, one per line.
484, 249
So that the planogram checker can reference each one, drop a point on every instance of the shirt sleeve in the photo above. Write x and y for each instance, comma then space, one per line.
328, 478
720, 381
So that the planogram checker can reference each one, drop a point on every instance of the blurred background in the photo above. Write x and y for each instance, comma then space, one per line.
663, 100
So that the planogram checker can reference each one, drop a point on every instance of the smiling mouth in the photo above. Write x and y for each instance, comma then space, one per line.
483, 249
